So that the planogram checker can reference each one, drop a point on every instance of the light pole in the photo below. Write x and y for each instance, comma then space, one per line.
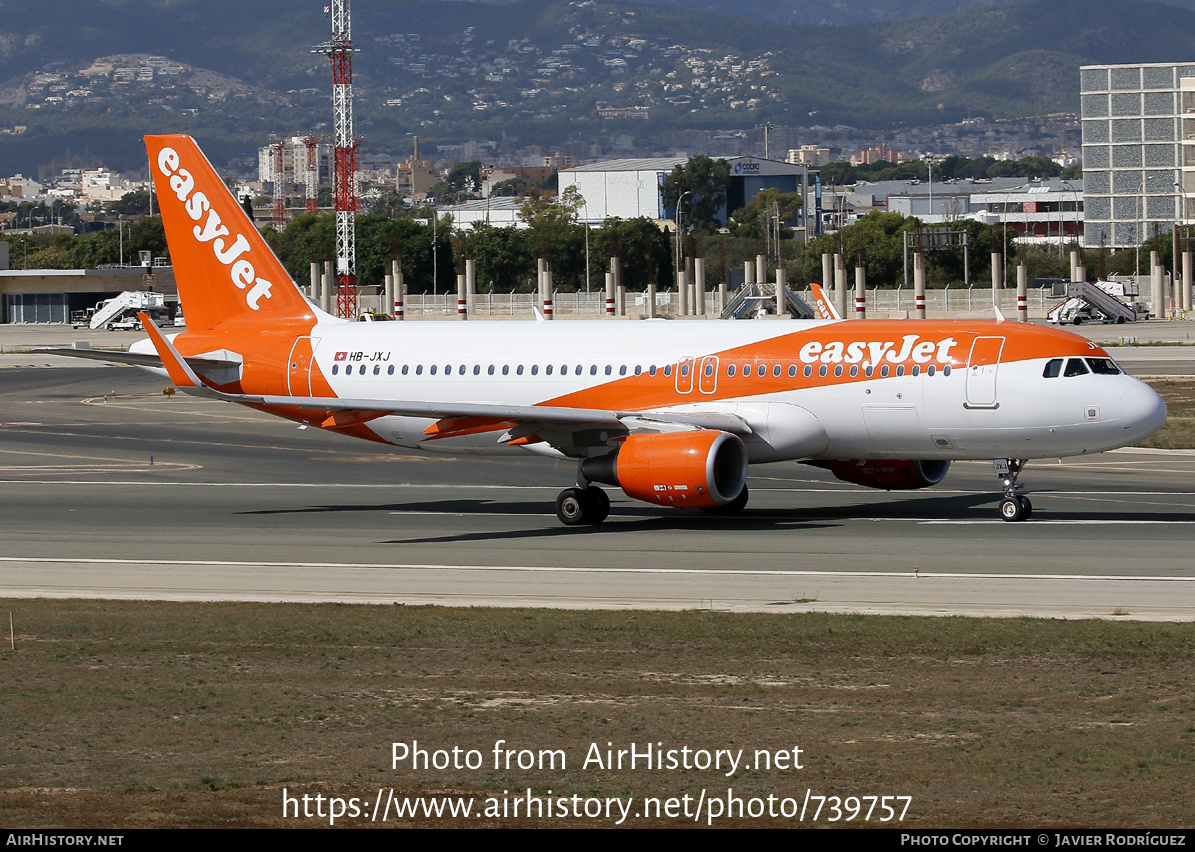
767, 131
1178, 197
1061, 216
678, 244
585, 207
930, 159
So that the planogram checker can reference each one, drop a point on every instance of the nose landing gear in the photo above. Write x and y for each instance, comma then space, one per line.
1014, 506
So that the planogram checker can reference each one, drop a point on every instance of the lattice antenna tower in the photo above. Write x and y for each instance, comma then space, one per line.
339, 48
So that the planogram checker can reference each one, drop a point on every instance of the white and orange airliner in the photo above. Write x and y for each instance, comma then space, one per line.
670, 412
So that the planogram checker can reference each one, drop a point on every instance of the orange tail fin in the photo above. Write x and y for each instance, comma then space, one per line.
224, 269
825, 308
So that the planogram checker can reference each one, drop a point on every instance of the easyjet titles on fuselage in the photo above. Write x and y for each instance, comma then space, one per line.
911, 348
213, 230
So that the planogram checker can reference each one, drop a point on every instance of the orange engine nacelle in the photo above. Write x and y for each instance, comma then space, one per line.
893, 475
698, 469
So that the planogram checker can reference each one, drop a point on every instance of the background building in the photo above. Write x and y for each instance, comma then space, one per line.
1135, 176
631, 188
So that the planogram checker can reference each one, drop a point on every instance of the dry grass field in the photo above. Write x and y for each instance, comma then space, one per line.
140, 714
1179, 431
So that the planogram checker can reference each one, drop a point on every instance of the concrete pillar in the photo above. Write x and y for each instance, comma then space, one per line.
622, 300
997, 276
651, 299
609, 294
1075, 265
471, 285
313, 292
699, 286
682, 290
387, 293
781, 290
839, 285
1158, 278
400, 292
328, 290
1188, 257
827, 274
548, 309
748, 272
761, 269
860, 292
1022, 292
919, 283
462, 296
721, 295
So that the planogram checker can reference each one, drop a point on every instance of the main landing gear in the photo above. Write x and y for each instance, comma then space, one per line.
1014, 506
584, 505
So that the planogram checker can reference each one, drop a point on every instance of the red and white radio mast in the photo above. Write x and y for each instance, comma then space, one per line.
344, 172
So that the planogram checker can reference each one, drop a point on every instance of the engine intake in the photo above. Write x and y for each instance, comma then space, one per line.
697, 469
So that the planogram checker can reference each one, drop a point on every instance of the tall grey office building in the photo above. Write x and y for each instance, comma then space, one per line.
1138, 150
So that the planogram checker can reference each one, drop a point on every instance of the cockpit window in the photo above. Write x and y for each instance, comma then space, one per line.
1053, 369
1075, 367
1103, 366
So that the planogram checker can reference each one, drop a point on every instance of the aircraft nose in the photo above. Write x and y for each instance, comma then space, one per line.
1142, 412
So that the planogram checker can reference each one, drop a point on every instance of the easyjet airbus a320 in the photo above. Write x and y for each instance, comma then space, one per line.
670, 412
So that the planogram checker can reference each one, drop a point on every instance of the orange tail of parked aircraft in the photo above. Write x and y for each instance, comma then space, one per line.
672, 413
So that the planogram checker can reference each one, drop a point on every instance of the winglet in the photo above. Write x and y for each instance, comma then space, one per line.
179, 370
825, 308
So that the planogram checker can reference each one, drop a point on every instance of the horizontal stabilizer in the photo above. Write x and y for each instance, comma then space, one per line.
139, 359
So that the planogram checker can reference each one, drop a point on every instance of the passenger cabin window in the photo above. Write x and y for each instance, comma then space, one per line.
1053, 369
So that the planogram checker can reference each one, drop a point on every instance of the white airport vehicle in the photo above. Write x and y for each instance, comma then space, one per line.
1102, 301
670, 412
120, 312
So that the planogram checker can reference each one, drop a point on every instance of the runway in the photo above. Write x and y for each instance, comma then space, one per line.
111, 489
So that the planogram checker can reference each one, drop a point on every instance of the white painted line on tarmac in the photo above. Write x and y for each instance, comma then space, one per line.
1108, 522
699, 572
941, 492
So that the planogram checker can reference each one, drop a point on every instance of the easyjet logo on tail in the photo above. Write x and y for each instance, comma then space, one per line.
213, 231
